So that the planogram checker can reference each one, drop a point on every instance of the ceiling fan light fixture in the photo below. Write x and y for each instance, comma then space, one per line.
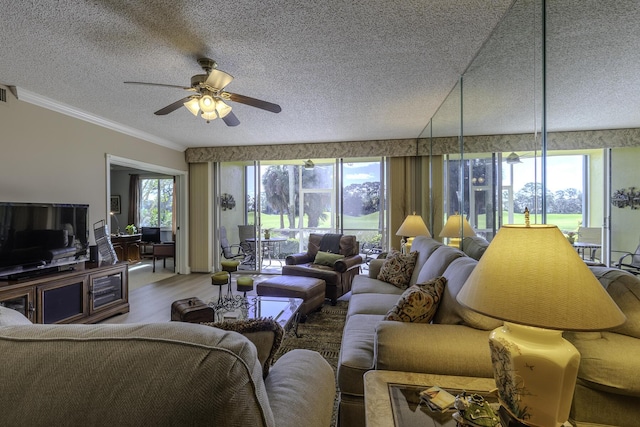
209, 116
207, 104
193, 106
222, 108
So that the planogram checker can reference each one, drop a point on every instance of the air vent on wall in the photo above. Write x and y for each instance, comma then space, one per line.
3, 95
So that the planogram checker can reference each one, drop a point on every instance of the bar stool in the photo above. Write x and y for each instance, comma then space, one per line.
221, 278
244, 285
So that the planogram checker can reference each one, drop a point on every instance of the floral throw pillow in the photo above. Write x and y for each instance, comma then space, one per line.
419, 303
397, 268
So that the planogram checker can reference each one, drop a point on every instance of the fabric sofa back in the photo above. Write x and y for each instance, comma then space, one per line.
157, 374
450, 311
624, 289
425, 247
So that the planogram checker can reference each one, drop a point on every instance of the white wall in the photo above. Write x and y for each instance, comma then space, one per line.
46, 156
625, 222
232, 182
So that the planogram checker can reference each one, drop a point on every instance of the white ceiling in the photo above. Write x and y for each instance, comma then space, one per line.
341, 70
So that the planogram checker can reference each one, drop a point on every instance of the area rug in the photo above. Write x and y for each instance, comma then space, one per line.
321, 332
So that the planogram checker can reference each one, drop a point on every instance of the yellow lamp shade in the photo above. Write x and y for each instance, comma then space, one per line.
454, 225
413, 226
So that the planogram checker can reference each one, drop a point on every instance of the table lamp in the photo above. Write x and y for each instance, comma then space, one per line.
452, 228
532, 278
412, 226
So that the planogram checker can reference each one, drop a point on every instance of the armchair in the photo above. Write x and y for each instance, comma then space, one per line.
338, 274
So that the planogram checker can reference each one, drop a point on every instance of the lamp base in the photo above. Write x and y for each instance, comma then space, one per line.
407, 245
508, 420
455, 242
535, 371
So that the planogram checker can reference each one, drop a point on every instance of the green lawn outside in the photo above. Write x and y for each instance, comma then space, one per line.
565, 222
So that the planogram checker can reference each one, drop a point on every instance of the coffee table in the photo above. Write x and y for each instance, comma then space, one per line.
382, 387
282, 310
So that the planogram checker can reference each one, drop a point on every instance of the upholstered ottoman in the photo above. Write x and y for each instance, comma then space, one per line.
310, 289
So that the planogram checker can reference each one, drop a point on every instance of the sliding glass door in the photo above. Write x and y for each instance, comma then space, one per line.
279, 203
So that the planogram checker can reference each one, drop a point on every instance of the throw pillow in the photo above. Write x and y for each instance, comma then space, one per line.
265, 333
327, 258
418, 304
397, 268
9, 317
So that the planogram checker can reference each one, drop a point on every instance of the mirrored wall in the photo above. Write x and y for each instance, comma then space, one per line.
544, 118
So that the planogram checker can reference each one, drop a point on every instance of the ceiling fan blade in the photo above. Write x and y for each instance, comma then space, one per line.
231, 119
274, 108
219, 79
160, 84
172, 107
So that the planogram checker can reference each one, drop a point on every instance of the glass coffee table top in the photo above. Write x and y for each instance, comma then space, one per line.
282, 310
409, 411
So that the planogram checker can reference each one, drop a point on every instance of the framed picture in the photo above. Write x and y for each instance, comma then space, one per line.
115, 205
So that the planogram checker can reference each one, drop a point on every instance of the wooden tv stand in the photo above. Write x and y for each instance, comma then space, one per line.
75, 296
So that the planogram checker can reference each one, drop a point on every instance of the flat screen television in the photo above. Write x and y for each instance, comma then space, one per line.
41, 237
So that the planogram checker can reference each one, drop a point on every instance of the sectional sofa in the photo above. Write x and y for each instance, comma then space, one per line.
164, 374
456, 342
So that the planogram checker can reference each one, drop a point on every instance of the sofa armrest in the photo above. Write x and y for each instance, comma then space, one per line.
374, 267
300, 258
347, 263
301, 389
433, 349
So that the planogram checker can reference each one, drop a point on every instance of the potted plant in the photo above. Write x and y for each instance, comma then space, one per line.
131, 229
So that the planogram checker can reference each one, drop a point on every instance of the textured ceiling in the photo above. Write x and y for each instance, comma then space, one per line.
341, 70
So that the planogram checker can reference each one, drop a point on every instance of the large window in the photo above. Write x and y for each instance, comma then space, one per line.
156, 202
289, 201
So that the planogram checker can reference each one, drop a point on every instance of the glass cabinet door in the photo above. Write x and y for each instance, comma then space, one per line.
20, 300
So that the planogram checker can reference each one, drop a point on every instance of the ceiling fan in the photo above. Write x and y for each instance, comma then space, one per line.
208, 99
514, 158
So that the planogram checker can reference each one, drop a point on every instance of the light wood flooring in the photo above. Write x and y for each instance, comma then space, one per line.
152, 303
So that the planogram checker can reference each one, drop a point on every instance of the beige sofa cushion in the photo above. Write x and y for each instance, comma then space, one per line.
424, 246
363, 284
156, 374
450, 310
372, 303
433, 349
474, 246
624, 289
356, 352
438, 262
302, 390
609, 361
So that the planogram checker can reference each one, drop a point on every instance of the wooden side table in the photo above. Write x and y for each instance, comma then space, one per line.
377, 400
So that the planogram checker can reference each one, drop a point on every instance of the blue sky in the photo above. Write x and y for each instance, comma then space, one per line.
357, 173
563, 172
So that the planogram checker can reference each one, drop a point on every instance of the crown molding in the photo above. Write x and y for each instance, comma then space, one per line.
50, 104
